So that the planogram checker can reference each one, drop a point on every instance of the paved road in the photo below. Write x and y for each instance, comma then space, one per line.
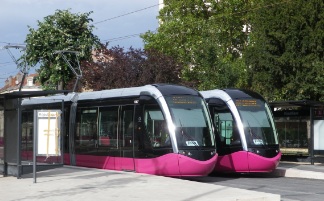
289, 188
74, 183
291, 181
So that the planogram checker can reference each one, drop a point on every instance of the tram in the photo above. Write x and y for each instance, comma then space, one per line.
157, 129
247, 141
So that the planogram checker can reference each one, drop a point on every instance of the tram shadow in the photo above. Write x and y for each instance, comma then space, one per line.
272, 174
220, 177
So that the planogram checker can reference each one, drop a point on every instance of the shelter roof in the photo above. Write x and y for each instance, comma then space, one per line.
296, 103
26, 94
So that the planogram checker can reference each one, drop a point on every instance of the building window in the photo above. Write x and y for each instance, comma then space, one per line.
30, 82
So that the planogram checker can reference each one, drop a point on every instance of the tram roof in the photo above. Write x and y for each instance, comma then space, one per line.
122, 92
230, 93
154, 90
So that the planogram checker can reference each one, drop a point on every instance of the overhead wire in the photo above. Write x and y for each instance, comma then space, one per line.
217, 16
2, 78
124, 37
127, 14
6, 63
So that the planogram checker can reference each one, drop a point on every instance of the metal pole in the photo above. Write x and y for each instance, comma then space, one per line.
19, 139
62, 134
5, 133
22, 81
35, 146
24, 76
24, 71
312, 134
78, 75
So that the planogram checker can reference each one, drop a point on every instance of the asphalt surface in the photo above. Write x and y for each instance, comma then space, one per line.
77, 183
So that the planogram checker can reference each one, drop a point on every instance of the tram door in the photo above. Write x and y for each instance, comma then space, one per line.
115, 137
127, 141
228, 136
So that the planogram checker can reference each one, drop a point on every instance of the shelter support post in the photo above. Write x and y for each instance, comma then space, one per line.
311, 147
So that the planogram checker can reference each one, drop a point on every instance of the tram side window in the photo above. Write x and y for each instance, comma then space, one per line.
226, 127
87, 131
108, 126
156, 128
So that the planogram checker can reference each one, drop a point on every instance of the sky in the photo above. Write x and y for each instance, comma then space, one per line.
118, 22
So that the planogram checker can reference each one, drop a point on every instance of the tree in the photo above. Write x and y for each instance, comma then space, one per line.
286, 51
63, 31
116, 68
207, 36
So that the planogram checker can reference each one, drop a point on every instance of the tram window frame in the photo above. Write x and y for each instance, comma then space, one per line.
83, 139
234, 138
127, 126
111, 135
156, 131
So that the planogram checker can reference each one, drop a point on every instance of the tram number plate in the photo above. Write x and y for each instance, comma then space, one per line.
258, 141
192, 143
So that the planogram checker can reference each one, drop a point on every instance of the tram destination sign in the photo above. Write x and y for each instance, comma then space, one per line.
246, 103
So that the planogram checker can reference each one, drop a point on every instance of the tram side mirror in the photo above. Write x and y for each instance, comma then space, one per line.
145, 98
216, 102
236, 142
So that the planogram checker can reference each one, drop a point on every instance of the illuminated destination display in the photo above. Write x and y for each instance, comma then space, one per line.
246, 102
183, 100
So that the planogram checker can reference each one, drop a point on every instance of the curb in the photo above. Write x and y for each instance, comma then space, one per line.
295, 173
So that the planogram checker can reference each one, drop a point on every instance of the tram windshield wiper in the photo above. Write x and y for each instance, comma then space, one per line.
254, 137
262, 129
187, 136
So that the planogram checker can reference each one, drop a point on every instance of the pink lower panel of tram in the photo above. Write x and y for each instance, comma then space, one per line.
173, 165
244, 161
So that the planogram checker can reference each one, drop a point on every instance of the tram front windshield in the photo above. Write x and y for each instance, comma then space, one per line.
192, 122
258, 122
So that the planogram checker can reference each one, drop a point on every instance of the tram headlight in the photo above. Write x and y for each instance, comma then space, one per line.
185, 153
256, 151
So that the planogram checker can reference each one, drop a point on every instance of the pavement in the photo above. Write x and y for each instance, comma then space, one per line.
77, 183
300, 170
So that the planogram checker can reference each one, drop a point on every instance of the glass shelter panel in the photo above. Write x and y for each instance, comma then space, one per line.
292, 134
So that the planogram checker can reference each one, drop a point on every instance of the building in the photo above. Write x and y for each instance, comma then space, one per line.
13, 83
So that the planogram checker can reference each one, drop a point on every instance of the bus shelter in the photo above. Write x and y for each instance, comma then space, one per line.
13, 145
300, 126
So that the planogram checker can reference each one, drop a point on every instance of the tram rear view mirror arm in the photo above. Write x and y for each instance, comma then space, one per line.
216, 102
145, 98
